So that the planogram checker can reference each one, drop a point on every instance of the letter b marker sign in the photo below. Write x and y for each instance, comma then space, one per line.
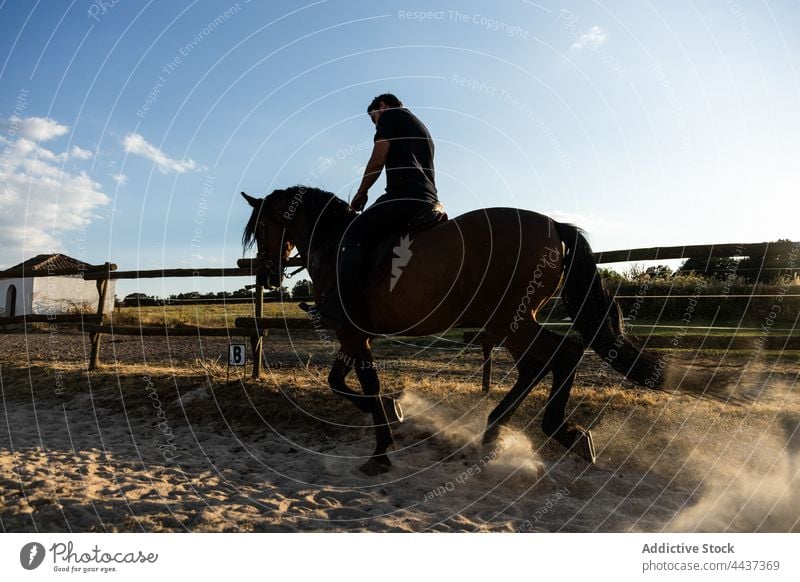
236, 355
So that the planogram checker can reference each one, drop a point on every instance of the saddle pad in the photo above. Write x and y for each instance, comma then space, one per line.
379, 261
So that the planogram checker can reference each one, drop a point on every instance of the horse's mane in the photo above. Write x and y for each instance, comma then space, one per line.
249, 234
326, 214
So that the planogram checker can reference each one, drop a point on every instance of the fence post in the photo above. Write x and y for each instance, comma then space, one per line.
102, 291
256, 340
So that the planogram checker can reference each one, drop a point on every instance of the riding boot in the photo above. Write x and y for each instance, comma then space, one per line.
335, 310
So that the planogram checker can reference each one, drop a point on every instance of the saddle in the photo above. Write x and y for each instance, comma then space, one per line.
378, 263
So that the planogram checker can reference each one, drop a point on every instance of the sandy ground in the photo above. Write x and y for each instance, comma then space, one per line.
158, 441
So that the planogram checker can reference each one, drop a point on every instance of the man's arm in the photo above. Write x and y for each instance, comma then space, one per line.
371, 173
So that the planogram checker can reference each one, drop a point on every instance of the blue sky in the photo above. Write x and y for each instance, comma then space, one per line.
128, 129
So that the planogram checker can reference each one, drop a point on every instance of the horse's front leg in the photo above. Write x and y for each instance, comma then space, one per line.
370, 384
337, 381
357, 353
365, 403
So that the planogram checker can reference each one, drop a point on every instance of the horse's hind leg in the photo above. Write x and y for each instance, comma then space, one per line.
530, 373
571, 435
537, 351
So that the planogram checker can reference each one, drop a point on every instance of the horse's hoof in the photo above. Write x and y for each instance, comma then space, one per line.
375, 467
490, 437
583, 446
393, 410
492, 443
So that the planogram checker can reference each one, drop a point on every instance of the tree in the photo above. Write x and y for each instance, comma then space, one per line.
778, 260
243, 292
302, 289
609, 274
281, 293
714, 267
140, 300
659, 272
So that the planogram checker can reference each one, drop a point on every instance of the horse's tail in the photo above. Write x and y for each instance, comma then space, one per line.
598, 318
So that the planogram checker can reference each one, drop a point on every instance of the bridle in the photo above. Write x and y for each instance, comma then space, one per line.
271, 270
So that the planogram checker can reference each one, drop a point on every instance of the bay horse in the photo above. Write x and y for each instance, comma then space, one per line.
493, 269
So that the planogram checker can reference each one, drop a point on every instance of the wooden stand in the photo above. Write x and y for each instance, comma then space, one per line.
102, 291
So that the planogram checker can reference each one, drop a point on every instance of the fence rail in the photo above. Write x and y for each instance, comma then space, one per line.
54, 318
188, 331
167, 273
257, 327
726, 250
88, 272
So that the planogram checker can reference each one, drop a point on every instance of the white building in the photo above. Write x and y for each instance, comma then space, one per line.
56, 294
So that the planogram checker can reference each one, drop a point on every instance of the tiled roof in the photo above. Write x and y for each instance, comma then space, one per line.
47, 262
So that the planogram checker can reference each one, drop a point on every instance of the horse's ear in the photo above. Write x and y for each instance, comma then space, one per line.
254, 202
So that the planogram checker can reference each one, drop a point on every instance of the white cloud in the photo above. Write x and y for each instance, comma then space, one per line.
39, 128
40, 200
591, 39
135, 144
120, 179
79, 153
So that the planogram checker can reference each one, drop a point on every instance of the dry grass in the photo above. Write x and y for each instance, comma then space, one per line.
198, 315
655, 449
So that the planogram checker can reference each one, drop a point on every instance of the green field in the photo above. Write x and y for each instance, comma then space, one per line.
222, 315
225, 315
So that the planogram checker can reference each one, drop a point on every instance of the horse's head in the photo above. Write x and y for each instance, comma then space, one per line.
310, 219
267, 230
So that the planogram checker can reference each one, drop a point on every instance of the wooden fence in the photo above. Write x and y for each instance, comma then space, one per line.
256, 327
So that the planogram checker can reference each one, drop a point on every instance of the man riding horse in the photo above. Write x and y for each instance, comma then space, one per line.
491, 268
404, 147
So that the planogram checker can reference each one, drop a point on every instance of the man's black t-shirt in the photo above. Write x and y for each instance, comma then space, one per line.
409, 164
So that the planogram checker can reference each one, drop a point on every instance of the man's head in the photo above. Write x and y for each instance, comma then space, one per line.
380, 104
